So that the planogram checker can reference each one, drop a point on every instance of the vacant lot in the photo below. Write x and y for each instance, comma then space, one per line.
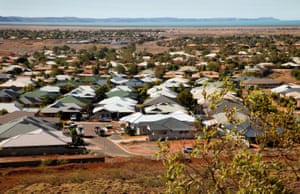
117, 175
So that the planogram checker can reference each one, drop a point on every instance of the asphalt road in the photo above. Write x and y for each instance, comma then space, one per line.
98, 144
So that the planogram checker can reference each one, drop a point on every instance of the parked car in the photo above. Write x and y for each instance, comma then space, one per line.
73, 125
187, 150
97, 129
102, 132
74, 117
80, 130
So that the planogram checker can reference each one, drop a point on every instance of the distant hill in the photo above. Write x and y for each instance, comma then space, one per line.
145, 21
163, 19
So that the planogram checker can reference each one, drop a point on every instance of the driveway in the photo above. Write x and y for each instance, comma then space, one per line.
98, 144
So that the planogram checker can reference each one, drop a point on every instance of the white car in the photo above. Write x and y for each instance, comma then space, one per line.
80, 130
187, 150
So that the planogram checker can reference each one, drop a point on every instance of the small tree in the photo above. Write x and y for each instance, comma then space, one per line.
100, 92
29, 88
96, 69
3, 111
186, 99
159, 71
120, 68
132, 69
226, 165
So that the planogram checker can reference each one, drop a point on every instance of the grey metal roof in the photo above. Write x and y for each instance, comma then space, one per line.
226, 105
171, 124
38, 137
164, 108
24, 125
257, 81
14, 115
159, 99
62, 107
8, 93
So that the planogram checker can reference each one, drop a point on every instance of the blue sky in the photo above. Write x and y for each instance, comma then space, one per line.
281, 9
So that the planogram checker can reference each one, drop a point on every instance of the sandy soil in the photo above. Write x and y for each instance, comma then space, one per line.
284, 75
151, 147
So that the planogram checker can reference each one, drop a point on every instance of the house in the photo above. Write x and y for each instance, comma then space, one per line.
290, 65
181, 53
295, 95
122, 88
261, 83
296, 59
37, 142
218, 117
43, 68
188, 70
210, 74
51, 63
203, 94
161, 90
92, 80
84, 92
19, 82
101, 82
143, 64
150, 79
10, 107
163, 108
78, 101
254, 70
176, 82
147, 76
147, 73
120, 93
14, 115
115, 64
202, 64
162, 104
288, 90
201, 81
40, 96
114, 108
8, 95
19, 114
242, 53
63, 77
4, 77
64, 110
33, 136
28, 102
23, 125
211, 55
176, 125
13, 68
146, 58
135, 83
50, 89
118, 81
173, 74
66, 107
